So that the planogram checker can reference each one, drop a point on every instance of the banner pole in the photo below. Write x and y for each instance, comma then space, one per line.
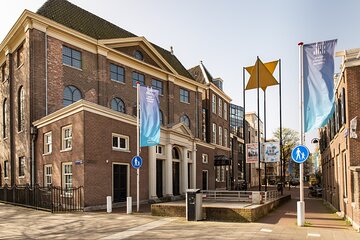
258, 117
282, 163
244, 133
137, 144
301, 203
265, 137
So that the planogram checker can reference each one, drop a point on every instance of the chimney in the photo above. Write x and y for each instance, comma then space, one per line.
172, 50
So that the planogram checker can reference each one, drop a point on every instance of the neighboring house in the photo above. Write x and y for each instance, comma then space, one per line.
67, 110
339, 144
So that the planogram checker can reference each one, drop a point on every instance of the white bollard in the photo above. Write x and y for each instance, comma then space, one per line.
129, 205
300, 213
108, 204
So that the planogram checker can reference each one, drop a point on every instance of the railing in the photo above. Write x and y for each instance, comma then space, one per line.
239, 196
54, 199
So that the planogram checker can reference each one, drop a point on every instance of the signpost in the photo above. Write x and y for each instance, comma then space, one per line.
136, 162
300, 154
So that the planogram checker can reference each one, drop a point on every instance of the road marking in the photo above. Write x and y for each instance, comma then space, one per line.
139, 229
266, 230
313, 235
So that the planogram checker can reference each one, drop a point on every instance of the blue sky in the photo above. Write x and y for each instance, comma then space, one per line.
228, 35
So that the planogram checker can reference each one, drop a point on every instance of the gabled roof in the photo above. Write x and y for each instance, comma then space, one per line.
74, 17
201, 74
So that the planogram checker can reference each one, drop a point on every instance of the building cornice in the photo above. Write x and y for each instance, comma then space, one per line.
215, 89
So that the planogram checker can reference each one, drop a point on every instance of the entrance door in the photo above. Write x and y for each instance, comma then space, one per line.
205, 180
189, 175
176, 178
159, 178
120, 173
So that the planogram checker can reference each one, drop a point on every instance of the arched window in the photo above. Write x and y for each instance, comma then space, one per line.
138, 55
175, 153
71, 95
185, 119
4, 120
161, 117
21, 109
117, 105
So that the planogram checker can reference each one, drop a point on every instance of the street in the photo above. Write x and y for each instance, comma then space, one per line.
321, 223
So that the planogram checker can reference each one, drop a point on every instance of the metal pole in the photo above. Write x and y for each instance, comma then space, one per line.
265, 135
137, 144
301, 203
244, 132
282, 164
258, 117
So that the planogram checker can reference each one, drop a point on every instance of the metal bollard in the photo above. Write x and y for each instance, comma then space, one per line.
108, 204
129, 205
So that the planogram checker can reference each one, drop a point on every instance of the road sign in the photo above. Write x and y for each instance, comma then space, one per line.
136, 162
300, 153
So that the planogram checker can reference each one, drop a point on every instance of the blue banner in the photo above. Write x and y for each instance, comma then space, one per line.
149, 117
318, 83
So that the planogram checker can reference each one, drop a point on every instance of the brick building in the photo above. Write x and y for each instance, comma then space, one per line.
68, 98
339, 144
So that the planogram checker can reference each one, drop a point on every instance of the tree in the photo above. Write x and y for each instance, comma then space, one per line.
290, 139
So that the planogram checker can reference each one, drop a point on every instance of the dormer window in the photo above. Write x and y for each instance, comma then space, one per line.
138, 55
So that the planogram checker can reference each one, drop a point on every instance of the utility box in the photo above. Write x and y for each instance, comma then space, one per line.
193, 205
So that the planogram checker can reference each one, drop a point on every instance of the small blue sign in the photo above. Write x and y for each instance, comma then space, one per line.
136, 162
300, 154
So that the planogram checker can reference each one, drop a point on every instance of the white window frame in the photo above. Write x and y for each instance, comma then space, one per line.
65, 184
218, 174
222, 179
47, 174
220, 111
66, 140
225, 137
119, 148
160, 149
225, 111
220, 135
214, 129
47, 143
205, 158
214, 103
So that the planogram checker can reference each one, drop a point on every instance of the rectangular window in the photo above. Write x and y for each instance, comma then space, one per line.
225, 111
6, 169
220, 136
48, 175
48, 143
218, 173
214, 133
344, 174
156, 84
214, 103
160, 149
120, 142
3, 72
20, 56
225, 137
184, 96
21, 166
220, 110
204, 124
189, 154
67, 138
138, 77
71, 57
205, 158
67, 177
117, 73
222, 179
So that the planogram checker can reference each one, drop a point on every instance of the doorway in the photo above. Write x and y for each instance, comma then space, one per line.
176, 178
120, 182
159, 178
204, 180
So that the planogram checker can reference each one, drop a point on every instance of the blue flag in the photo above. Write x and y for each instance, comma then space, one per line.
318, 83
149, 117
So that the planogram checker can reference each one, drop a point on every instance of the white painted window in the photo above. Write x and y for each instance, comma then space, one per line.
225, 111
120, 142
205, 158
67, 177
47, 175
214, 103
218, 174
67, 138
222, 179
160, 149
220, 111
220, 136
47, 142
214, 133
225, 137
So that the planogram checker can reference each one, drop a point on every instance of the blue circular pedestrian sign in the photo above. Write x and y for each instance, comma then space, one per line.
136, 162
300, 153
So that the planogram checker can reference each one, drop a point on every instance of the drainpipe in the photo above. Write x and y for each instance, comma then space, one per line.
46, 74
196, 114
33, 132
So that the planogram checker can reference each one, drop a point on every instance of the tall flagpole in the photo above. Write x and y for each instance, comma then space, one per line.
265, 135
244, 133
301, 203
282, 164
137, 144
258, 117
